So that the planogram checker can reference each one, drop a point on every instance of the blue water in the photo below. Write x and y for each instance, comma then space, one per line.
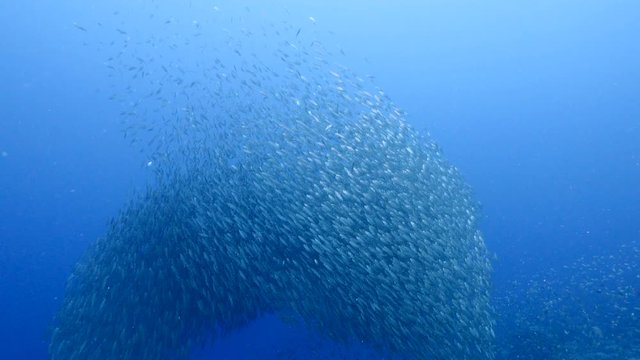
535, 102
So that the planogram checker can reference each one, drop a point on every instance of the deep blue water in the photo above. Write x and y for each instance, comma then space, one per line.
535, 102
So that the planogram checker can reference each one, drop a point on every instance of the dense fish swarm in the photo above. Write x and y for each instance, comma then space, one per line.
284, 185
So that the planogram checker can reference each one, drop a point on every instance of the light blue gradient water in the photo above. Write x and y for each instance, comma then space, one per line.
535, 102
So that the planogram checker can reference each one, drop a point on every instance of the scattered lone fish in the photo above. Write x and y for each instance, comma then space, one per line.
79, 27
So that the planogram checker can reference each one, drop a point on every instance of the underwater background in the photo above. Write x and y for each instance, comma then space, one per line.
535, 103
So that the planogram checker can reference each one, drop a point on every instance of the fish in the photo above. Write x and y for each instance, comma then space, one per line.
283, 183
79, 27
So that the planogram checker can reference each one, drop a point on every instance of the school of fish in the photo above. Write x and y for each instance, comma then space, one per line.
284, 183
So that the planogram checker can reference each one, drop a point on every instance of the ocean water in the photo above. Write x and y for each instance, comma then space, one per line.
534, 103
